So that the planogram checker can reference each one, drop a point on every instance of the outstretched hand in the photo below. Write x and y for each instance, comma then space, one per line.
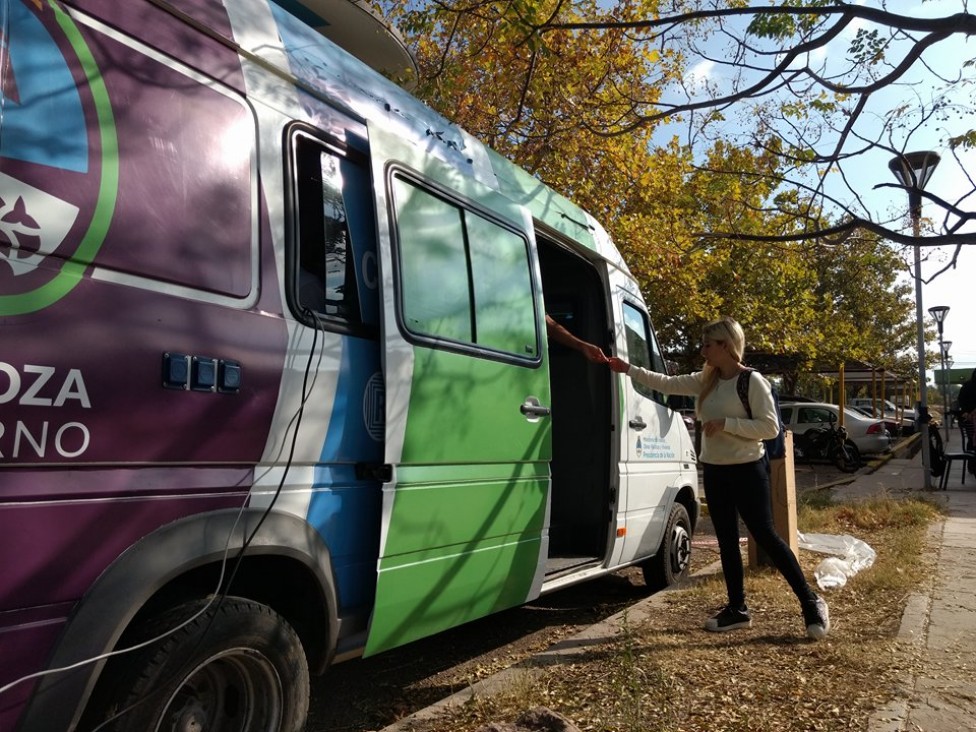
618, 365
594, 353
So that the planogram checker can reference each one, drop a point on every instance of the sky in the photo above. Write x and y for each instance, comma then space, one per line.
955, 288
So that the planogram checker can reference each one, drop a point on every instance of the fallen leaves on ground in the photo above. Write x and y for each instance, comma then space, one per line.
666, 674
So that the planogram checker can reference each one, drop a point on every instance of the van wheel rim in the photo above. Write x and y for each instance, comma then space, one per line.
235, 691
680, 549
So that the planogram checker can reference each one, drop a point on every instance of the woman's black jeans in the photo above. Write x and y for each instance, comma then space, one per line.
743, 490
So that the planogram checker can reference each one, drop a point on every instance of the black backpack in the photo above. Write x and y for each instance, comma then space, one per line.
775, 446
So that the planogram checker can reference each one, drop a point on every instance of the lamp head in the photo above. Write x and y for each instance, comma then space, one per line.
939, 312
913, 170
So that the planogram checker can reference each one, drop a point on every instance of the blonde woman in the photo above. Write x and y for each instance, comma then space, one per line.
736, 479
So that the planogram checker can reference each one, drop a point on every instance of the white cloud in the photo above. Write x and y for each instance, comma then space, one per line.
699, 74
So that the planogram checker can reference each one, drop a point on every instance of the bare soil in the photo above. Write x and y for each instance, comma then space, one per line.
368, 694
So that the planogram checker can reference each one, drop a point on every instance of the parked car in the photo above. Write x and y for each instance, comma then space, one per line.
909, 409
870, 435
896, 427
884, 409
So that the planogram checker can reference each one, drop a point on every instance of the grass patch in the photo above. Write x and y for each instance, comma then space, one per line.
666, 674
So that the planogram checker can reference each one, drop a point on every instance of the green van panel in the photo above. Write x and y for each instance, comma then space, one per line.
464, 519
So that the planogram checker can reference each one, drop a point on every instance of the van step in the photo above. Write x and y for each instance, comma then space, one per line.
559, 565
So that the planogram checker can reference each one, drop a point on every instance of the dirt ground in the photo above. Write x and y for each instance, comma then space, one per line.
368, 694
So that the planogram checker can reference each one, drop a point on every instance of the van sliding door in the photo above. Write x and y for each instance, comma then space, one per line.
467, 396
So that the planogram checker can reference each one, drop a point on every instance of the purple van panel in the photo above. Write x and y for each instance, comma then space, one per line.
91, 388
42, 484
13, 702
53, 551
94, 393
154, 179
22, 635
181, 183
190, 221
36, 538
176, 39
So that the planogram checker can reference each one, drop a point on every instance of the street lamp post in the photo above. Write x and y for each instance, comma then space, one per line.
913, 171
946, 367
939, 312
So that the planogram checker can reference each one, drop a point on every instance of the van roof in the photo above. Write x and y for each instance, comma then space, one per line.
360, 29
325, 70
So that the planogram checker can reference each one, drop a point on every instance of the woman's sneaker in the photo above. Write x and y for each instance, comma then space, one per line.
731, 618
817, 618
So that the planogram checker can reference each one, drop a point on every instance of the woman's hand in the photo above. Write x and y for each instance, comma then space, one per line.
714, 426
618, 365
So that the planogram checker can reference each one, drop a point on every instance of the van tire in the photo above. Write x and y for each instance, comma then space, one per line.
673, 559
238, 660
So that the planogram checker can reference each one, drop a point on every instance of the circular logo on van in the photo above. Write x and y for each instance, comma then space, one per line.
58, 154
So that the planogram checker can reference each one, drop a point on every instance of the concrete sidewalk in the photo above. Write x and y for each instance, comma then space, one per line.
938, 629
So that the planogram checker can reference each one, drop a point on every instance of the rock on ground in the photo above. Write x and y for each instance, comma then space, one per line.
537, 719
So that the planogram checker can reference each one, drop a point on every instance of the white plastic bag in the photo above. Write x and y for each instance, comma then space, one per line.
850, 556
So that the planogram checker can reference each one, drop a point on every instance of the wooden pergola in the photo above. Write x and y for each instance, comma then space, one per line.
859, 372
851, 371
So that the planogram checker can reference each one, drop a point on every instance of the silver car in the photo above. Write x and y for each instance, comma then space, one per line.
888, 412
870, 435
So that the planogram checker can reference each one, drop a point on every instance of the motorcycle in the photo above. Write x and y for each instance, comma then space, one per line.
830, 443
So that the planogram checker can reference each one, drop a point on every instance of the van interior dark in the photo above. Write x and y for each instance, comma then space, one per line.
581, 414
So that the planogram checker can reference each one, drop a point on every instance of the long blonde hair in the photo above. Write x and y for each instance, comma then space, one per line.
724, 330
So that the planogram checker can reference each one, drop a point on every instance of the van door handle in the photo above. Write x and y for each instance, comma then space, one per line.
533, 409
637, 424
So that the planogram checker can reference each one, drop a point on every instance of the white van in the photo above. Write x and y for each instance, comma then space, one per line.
274, 380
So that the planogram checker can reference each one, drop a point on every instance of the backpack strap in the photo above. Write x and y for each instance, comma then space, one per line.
774, 447
742, 387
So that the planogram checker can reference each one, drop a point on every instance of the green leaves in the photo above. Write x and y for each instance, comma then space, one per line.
776, 24
868, 47
966, 141
773, 26
568, 106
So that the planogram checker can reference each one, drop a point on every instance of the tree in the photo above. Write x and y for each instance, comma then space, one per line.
826, 86
580, 96
816, 77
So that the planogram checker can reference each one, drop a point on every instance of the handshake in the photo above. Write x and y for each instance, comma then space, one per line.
595, 354
591, 352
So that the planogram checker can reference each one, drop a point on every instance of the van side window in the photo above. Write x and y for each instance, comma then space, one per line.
463, 277
642, 348
332, 190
